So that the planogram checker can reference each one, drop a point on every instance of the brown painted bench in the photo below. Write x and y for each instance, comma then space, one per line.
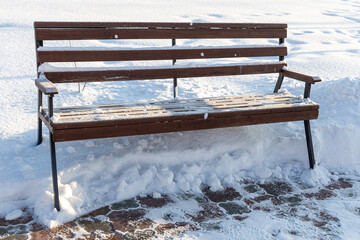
103, 121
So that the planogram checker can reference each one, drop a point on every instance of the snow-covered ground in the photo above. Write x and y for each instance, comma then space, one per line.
323, 39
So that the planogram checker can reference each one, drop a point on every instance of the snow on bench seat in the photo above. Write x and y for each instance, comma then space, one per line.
164, 116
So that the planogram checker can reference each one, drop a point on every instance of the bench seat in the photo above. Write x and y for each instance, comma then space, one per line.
86, 122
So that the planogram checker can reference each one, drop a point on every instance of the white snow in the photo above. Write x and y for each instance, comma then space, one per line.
90, 144
14, 214
70, 149
323, 40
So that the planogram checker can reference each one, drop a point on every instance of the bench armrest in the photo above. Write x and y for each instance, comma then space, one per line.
45, 86
301, 76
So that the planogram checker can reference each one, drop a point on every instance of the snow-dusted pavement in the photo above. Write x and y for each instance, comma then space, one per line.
274, 210
323, 39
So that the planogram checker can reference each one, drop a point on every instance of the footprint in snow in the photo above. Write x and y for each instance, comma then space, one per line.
70, 149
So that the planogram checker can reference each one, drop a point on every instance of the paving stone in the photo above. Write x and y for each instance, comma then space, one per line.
130, 220
324, 219
91, 226
210, 226
94, 236
115, 237
126, 204
277, 188
133, 214
228, 194
140, 235
151, 202
24, 219
16, 237
340, 183
210, 211
241, 218
34, 227
262, 198
294, 200
276, 201
252, 188
4, 222
248, 202
174, 228
234, 208
320, 195
17, 229
3, 231
198, 198
97, 212
62, 231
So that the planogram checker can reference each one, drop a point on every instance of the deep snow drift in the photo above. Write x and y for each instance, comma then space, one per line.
323, 39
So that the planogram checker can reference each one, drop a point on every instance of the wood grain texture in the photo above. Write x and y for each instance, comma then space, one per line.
157, 25
45, 86
161, 73
69, 55
184, 110
118, 33
175, 126
301, 76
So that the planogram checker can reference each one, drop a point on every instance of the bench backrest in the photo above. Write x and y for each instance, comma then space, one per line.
66, 31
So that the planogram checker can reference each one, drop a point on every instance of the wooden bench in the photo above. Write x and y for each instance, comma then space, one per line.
103, 121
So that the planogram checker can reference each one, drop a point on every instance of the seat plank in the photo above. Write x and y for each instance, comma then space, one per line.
172, 107
175, 126
166, 111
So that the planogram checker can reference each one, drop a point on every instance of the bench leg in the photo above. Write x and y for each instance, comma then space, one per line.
54, 173
309, 144
39, 139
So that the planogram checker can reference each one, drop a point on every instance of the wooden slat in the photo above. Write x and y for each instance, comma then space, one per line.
45, 86
160, 54
162, 73
116, 33
241, 25
166, 104
45, 119
111, 24
136, 113
156, 24
207, 105
72, 125
172, 102
163, 127
301, 76
186, 109
149, 110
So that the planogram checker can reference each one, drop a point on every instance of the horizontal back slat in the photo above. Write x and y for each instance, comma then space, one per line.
69, 55
118, 33
161, 73
156, 24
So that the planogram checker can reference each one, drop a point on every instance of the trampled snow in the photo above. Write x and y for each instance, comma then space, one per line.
323, 39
